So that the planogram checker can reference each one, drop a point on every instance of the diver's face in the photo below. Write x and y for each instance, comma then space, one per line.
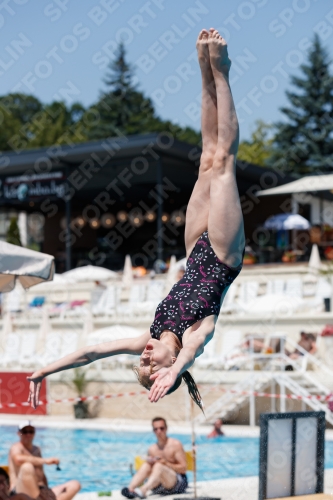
155, 356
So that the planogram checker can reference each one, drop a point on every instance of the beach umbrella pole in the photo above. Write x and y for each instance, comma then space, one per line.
194, 451
194, 454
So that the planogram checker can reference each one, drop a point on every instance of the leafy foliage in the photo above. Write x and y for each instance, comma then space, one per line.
13, 233
79, 382
259, 148
26, 123
304, 143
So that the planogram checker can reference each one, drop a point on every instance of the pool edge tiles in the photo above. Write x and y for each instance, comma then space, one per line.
132, 425
125, 425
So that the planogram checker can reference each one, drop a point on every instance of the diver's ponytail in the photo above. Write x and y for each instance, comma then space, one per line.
193, 389
191, 386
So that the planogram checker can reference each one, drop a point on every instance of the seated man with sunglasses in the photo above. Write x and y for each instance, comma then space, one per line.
26, 469
164, 468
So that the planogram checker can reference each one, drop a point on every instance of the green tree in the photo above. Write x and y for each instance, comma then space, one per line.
259, 148
13, 233
16, 113
26, 123
304, 143
124, 108
57, 124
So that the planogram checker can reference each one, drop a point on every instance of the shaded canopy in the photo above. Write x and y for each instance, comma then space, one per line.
28, 266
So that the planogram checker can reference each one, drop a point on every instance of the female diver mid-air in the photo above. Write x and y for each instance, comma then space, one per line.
214, 238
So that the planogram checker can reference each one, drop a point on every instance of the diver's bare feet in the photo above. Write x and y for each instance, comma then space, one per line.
218, 52
203, 53
208, 82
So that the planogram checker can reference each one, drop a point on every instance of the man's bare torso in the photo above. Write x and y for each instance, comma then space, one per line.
168, 451
19, 449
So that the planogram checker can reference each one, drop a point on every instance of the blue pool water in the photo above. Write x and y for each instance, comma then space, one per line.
100, 460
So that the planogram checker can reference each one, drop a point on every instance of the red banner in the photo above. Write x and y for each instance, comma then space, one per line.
14, 390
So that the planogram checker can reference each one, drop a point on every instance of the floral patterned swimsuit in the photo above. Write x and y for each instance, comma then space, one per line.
197, 294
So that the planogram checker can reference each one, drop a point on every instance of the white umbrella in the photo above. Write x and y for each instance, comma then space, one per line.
273, 304
28, 266
315, 262
181, 263
128, 272
88, 273
287, 221
113, 333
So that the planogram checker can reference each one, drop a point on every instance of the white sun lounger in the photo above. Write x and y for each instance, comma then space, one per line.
155, 291
248, 291
69, 343
12, 350
51, 349
27, 348
294, 288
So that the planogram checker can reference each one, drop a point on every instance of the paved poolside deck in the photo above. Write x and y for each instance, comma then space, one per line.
245, 488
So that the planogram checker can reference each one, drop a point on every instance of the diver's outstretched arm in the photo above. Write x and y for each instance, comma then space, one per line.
85, 356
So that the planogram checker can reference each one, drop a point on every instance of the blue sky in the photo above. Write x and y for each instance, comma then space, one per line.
60, 49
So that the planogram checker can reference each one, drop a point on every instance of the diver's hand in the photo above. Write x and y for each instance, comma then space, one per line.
164, 379
34, 388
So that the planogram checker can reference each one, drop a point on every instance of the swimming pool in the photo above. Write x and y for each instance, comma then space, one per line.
100, 459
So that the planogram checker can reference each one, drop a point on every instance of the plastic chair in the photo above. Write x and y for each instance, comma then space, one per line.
294, 288
14, 300
37, 302
69, 342
248, 291
137, 293
107, 302
155, 291
275, 287
230, 340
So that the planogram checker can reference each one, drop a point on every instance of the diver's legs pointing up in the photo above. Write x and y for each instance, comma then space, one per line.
198, 206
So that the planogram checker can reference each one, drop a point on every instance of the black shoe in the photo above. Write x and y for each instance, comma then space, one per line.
129, 494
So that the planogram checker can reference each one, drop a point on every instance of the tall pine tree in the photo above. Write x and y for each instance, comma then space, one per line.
303, 144
122, 107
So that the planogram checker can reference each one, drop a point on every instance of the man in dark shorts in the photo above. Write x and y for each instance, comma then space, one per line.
163, 470
26, 471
